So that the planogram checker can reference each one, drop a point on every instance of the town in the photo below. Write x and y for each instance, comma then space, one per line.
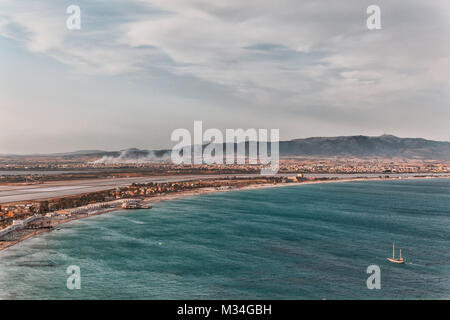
27, 218
35, 197
35, 172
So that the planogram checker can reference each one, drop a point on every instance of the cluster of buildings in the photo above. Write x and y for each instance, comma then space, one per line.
18, 224
149, 189
89, 209
19, 210
303, 165
37, 221
335, 166
69, 169
129, 196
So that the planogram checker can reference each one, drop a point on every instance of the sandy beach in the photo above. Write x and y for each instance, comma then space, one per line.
190, 193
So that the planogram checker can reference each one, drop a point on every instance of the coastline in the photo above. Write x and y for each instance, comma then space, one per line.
203, 191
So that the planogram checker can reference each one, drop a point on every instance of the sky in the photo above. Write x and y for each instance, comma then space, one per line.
139, 69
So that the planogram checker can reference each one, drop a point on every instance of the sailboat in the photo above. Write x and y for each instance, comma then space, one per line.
393, 259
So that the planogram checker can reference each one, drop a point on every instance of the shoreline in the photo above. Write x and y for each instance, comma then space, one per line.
203, 191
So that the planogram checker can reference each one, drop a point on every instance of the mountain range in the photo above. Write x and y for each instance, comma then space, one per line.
385, 146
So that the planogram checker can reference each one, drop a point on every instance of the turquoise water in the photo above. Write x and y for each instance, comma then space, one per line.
297, 242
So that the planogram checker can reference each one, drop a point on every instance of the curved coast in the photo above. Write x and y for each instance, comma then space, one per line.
196, 192
274, 243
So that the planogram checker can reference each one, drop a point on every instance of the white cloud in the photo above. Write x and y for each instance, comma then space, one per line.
37, 25
288, 55
210, 40
319, 41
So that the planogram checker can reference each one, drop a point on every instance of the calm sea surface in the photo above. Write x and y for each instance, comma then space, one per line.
298, 242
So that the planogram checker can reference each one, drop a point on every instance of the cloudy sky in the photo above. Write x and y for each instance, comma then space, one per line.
139, 69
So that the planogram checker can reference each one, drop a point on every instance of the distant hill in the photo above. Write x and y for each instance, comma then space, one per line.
385, 146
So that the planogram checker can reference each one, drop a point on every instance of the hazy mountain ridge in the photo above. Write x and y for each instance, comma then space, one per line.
385, 146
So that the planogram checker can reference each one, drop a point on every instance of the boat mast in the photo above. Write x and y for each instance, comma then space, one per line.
393, 250
400, 254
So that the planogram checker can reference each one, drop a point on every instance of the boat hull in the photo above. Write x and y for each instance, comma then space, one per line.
396, 260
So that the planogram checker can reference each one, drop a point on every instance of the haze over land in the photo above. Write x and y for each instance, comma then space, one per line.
385, 146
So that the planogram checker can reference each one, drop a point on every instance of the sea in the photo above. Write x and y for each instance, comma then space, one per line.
316, 241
